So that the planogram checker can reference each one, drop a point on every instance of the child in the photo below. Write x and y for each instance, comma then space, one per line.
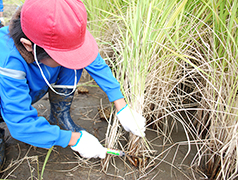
45, 49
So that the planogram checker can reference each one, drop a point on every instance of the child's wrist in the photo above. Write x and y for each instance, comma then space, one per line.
75, 137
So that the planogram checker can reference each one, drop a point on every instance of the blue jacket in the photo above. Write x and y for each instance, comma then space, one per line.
1, 6
20, 84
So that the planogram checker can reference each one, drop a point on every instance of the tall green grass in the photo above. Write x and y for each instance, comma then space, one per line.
14, 2
176, 60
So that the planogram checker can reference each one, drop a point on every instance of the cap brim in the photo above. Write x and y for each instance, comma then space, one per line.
77, 58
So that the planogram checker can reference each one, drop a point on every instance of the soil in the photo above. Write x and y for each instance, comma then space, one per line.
26, 162
63, 163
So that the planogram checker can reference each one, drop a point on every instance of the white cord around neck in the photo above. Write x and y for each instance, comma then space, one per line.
63, 94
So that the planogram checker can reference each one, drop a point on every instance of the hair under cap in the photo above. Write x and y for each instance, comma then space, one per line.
60, 28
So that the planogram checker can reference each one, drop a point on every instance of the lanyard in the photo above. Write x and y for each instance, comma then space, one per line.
63, 94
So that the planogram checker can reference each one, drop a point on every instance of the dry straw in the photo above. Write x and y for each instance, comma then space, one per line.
177, 64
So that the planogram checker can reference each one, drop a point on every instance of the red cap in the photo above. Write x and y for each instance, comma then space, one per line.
59, 27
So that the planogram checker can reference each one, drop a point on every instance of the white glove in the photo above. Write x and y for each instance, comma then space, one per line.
132, 121
88, 146
2, 20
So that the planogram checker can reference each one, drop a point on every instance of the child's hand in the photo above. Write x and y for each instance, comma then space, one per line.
88, 146
132, 121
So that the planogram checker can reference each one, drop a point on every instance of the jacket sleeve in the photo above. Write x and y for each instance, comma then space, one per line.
103, 76
21, 117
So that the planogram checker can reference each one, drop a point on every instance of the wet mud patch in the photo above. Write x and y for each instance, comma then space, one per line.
25, 161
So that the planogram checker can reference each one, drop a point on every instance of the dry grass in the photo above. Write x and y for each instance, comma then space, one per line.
188, 82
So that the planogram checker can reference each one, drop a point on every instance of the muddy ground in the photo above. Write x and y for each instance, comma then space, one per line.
25, 162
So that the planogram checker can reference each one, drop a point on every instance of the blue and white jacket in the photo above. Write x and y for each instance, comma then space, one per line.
20, 84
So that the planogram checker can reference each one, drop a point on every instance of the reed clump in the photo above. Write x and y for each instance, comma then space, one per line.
177, 65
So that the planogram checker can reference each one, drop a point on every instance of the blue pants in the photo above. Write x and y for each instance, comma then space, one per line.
1, 6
